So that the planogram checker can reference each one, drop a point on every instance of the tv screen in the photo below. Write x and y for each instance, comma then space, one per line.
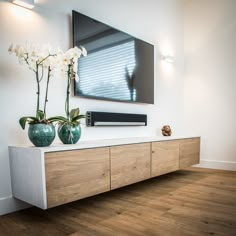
118, 66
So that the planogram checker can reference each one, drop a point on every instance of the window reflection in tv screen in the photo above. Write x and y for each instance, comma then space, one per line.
118, 66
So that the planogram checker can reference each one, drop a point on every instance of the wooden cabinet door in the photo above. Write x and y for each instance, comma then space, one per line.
189, 152
129, 164
165, 157
72, 175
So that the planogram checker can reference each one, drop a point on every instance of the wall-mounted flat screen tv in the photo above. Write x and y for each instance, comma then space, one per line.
118, 66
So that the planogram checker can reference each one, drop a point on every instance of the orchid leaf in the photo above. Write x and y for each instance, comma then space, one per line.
76, 118
58, 119
74, 112
25, 119
75, 123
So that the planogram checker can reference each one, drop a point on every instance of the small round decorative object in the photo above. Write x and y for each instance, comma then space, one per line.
41, 135
69, 134
166, 130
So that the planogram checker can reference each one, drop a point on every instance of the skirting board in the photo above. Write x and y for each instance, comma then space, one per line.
213, 164
10, 204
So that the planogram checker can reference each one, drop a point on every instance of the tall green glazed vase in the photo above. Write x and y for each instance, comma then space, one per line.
41, 135
69, 134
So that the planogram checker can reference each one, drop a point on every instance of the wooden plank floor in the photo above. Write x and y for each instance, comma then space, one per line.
193, 202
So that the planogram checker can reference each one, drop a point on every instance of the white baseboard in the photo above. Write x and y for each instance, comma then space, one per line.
10, 204
213, 164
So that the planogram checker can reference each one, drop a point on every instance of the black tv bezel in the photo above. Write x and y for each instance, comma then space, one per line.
104, 98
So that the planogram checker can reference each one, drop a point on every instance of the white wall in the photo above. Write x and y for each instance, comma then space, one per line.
210, 79
157, 21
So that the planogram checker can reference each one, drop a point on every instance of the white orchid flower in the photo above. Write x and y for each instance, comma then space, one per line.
35, 57
76, 52
76, 78
11, 49
32, 64
59, 52
19, 50
66, 60
75, 66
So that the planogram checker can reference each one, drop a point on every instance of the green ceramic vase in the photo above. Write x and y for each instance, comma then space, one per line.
69, 134
41, 135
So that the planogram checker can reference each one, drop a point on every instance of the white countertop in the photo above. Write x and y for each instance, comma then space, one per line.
102, 143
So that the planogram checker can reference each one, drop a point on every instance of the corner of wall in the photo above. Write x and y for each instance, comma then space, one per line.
10, 204
220, 165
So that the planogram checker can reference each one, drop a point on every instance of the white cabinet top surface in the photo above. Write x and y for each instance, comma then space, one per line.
101, 143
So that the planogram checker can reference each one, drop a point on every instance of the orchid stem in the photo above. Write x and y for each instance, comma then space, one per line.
46, 95
67, 104
38, 89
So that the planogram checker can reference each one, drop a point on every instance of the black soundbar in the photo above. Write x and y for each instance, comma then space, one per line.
94, 118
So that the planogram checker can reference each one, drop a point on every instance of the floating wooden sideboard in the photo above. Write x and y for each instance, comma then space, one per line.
55, 175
